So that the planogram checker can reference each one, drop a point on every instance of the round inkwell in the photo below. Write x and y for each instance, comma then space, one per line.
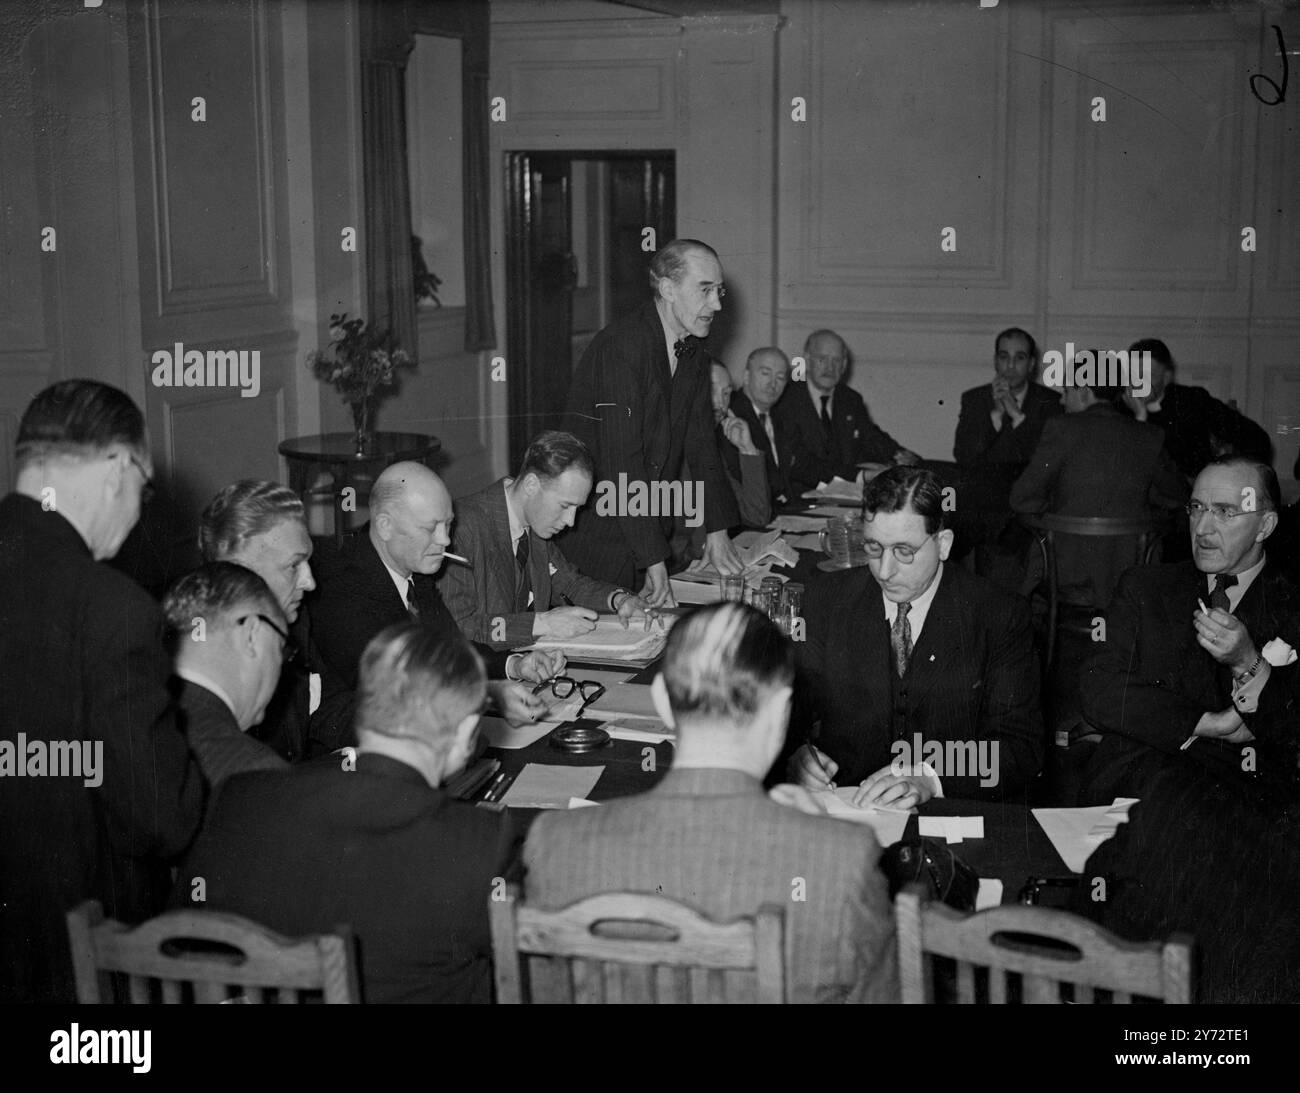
579, 738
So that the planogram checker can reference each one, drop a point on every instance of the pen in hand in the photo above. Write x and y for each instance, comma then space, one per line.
820, 766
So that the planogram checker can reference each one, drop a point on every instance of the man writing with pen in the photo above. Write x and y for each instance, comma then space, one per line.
518, 585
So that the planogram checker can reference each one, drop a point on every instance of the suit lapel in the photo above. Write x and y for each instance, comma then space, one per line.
877, 649
503, 573
937, 651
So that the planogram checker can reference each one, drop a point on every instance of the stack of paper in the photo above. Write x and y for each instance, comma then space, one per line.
799, 523
888, 824
542, 786
1077, 832
611, 641
837, 489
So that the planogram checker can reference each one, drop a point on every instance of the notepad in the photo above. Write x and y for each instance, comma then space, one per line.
952, 829
888, 824
540, 785
1077, 832
500, 734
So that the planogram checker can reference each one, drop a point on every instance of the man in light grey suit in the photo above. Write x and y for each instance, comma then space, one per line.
519, 586
709, 836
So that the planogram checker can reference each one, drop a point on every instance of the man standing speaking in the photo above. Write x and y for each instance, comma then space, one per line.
640, 400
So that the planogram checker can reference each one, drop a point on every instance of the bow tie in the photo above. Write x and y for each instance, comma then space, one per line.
686, 347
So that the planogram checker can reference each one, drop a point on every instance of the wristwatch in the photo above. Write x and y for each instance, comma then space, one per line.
1250, 672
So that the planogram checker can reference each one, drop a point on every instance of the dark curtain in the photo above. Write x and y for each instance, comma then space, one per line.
387, 39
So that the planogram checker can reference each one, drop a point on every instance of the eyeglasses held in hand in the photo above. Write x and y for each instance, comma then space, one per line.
564, 686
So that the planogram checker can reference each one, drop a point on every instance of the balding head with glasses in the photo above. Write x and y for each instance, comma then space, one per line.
1232, 511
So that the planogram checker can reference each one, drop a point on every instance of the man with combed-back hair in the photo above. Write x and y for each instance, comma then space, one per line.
709, 836
230, 640
370, 840
262, 526
83, 666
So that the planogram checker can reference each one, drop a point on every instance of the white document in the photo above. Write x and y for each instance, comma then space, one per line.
800, 523
640, 731
611, 641
501, 735
952, 828
888, 825
1077, 832
989, 894
541, 785
837, 489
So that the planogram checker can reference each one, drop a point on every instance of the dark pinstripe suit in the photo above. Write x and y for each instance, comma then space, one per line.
640, 420
713, 839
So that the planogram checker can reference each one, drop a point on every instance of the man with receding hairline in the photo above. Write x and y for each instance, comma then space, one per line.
384, 574
707, 835
767, 371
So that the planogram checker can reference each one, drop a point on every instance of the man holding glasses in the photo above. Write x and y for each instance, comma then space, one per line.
918, 679
1196, 665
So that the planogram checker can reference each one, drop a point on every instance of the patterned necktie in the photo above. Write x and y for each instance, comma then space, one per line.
826, 413
900, 637
412, 608
1219, 597
766, 422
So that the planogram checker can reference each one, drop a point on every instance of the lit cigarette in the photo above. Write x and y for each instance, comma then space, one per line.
456, 558
1204, 611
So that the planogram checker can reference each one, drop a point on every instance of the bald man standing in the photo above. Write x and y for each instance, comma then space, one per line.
383, 574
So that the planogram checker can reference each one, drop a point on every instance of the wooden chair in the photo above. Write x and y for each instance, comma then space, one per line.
1044, 949
200, 956
629, 947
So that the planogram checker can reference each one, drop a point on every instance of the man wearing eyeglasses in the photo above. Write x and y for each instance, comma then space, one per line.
82, 667
828, 424
230, 641
1194, 666
921, 675
640, 401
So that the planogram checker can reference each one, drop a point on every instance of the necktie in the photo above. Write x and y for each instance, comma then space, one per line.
412, 608
1219, 597
766, 422
826, 414
900, 637
685, 347
523, 581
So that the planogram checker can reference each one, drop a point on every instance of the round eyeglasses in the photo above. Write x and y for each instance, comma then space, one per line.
902, 551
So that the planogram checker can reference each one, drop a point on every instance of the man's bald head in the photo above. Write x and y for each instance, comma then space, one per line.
410, 518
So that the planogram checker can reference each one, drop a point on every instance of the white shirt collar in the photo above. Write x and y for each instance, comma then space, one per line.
920, 606
399, 582
1244, 580
192, 675
516, 522
670, 340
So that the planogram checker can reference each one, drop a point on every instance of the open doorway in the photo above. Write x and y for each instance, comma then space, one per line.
575, 225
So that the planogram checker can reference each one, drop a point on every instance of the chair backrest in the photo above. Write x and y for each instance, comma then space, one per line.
1044, 949
631, 947
205, 956
1108, 526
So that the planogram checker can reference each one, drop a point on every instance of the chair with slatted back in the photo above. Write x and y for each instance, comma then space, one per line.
634, 948
204, 956
1037, 953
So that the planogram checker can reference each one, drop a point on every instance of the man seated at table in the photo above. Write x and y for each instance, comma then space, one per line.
519, 586
370, 841
709, 836
230, 639
767, 371
923, 676
384, 574
262, 526
1095, 460
827, 421
1172, 683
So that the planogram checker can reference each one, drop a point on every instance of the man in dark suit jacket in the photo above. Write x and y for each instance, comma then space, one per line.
767, 371
640, 401
829, 427
82, 662
227, 672
519, 586
1172, 683
262, 526
1198, 427
383, 575
709, 836
913, 662
1097, 461
373, 845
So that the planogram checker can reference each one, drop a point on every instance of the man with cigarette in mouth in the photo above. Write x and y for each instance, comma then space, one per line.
1196, 662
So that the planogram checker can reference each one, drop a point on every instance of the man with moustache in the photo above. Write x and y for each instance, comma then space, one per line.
640, 402
261, 525
913, 646
384, 574
1173, 683
519, 586
82, 661
767, 371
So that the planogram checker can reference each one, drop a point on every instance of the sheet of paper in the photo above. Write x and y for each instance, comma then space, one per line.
540, 785
610, 640
695, 592
640, 731
501, 735
804, 542
582, 802
953, 829
831, 510
1077, 832
989, 894
837, 489
799, 523
623, 701
888, 825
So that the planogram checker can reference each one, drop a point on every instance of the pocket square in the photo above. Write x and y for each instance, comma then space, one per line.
1278, 653
551, 568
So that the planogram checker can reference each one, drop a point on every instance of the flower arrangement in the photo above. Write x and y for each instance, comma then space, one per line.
359, 361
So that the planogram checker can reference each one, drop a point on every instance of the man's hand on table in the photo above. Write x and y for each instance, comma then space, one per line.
535, 667
720, 552
888, 789
630, 606
516, 701
658, 592
812, 769
564, 622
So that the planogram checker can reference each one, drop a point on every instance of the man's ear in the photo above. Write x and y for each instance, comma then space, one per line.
1267, 526
531, 484
115, 476
383, 526
776, 710
659, 695
944, 539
